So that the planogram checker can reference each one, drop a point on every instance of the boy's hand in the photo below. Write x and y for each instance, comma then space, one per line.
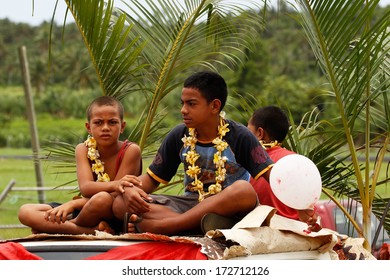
136, 200
310, 217
128, 181
59, 214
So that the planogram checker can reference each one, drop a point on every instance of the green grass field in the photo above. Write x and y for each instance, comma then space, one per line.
23, 173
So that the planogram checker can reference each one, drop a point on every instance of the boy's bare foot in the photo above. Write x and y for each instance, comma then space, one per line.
138, 224
104, 226
131, 225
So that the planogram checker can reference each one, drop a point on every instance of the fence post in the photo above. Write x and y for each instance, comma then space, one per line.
32, 121
7, 189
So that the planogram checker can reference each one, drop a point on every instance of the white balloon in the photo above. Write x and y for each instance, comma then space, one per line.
296, 181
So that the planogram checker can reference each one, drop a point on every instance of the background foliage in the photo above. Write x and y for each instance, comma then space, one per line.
282, 70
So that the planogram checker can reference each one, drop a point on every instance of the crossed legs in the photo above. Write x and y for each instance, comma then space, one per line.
238, 199
91, 216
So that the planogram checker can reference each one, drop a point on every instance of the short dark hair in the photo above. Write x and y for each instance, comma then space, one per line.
210, 84
105, 101
273, 120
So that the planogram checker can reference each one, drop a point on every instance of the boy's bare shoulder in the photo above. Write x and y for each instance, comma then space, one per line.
80, 147
133, 148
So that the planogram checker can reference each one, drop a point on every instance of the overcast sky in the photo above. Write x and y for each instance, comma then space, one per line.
22, 10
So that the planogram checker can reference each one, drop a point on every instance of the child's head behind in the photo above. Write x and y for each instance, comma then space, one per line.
273, 120
105, 101
210, 84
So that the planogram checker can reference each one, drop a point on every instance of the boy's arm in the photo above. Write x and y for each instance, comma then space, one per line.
131, 163
87, 184
59, 214
267, 174
148, 183
136, 198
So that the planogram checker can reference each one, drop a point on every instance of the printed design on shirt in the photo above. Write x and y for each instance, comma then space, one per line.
234, 171
258, 155
158, 160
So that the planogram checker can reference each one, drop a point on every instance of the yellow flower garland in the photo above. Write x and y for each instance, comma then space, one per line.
192, 156
93, 154
270, 144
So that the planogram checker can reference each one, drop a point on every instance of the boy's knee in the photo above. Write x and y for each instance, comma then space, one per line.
23, 212
242, 187
101, 200
102, 197
28, 214
243, 191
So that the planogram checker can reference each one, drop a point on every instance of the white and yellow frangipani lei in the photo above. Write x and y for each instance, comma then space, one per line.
93, 154
192, 156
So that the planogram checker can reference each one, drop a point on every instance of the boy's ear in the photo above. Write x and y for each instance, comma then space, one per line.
123, 126
260, 133
216, 104
88, 127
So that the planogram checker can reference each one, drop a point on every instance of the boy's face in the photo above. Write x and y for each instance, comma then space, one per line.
195, 110
105, 124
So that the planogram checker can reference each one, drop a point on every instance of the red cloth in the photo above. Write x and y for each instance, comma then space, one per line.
264, 191
15, 251
154, 251
141, 251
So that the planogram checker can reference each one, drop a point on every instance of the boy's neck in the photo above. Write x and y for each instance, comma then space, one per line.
108, 151
208, 133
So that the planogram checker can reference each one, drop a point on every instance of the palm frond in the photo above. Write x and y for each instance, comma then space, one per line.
61, 156
337, 173
113, 55
148, 50
353, 54
182, 38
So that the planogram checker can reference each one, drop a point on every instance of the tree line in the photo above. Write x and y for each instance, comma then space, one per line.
283, 68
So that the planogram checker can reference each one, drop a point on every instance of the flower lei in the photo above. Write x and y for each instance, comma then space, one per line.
270, 144
93, 154
219, 161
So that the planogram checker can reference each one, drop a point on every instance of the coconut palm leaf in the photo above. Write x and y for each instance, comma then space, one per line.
353, 54
114, 57
184, 37
148, 49
62, 159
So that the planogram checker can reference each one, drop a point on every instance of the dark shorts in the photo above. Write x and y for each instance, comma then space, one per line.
177, 203
182, 203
